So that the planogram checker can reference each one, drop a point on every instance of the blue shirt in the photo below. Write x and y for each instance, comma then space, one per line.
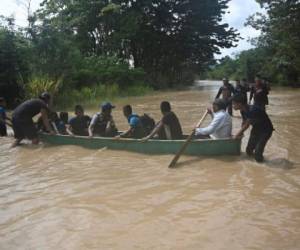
2, 113
134, 120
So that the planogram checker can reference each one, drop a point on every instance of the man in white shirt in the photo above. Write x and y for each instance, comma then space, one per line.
221, 125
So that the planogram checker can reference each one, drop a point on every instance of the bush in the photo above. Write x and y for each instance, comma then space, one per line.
39, 84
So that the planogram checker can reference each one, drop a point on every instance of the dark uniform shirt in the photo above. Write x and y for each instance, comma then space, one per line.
260, 96
171, 123
28, 109
258, 118
242, 91
79, 125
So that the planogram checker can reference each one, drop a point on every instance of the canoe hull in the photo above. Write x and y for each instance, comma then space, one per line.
196, 147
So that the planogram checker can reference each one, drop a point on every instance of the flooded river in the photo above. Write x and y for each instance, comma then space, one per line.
68, 197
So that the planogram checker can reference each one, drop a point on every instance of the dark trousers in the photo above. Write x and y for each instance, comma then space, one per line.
3, 131
228, 105
229, 108
257, 143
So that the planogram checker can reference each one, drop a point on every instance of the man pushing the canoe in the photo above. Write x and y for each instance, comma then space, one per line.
22, 122
262, 127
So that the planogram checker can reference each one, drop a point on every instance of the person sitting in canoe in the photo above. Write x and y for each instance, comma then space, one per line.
22, 122
63, 122
102, 124
3, 117
221, 125
136, 129
168, 128
79, 124
262, 127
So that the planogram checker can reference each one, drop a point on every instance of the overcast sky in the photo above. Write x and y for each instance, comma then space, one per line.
238, 11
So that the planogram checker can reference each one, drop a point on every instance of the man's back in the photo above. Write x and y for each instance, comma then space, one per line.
172, 128
28, 109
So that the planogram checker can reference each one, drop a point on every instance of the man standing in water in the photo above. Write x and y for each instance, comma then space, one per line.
23, 125
240, 89
259, 93
262, 127
227, 90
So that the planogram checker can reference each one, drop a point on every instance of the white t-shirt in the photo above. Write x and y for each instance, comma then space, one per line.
220, 127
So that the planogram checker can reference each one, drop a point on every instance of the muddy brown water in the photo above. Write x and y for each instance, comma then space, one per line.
68, 197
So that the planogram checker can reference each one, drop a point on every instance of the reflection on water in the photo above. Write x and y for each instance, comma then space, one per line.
73, 198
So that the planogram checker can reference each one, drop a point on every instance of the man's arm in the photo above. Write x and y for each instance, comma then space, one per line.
69, 129
245, 126
219, 93
211, 128
92, 125
158, 127
46, 121
251, 94
127, 133
91, 129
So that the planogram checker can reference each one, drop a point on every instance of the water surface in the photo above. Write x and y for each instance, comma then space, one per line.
68, 197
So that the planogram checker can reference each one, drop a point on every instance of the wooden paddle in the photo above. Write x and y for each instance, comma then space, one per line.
190, 137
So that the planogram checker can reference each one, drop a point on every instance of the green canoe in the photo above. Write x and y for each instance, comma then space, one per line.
196, 147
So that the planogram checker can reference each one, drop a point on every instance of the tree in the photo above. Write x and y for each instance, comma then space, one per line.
164, 37
14, 61
280, 36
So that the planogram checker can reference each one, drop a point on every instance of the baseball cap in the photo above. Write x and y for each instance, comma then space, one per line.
45, 96
107, 105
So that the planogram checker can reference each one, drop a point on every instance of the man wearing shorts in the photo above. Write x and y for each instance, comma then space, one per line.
23, 125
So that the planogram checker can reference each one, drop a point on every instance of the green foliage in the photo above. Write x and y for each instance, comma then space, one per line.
106, 70
95, 95
280, 38
39, 84
164, 38
123, 46
14, 58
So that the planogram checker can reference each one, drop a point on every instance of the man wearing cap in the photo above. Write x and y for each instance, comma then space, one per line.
226, 90
23, 125
221, 125
102, 124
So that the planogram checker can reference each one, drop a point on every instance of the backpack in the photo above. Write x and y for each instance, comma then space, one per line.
148, 123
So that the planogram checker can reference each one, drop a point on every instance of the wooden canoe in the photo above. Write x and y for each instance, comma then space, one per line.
196, 147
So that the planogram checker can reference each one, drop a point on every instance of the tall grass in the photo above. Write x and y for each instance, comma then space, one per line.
39, 84
92, 96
